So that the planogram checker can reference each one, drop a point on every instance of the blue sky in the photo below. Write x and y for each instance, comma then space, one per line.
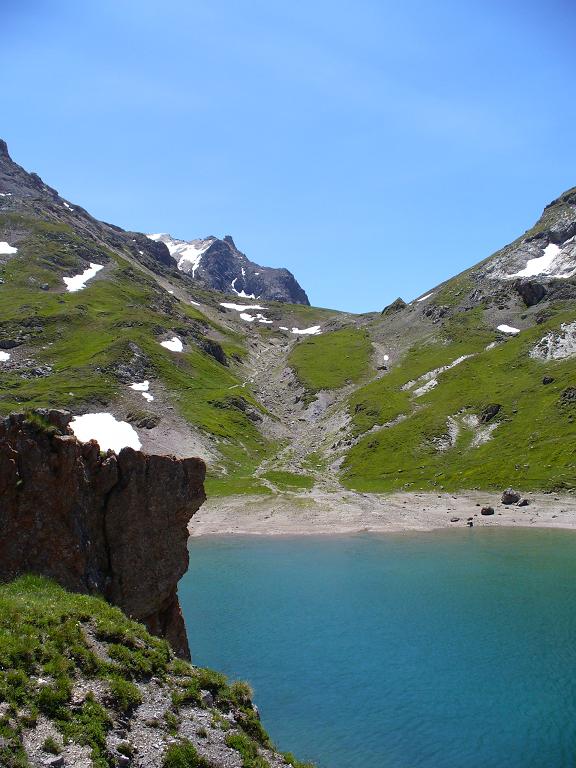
374, 148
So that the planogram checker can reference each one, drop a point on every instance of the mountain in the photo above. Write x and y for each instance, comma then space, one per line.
472, 385
218, 264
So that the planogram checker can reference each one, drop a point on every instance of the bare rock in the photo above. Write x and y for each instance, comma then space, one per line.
487, 511
114, 525
510, 496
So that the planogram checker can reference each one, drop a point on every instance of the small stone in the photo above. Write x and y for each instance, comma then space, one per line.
487, 511
454, 519
207, 698
547, 380
523, 503
54, 762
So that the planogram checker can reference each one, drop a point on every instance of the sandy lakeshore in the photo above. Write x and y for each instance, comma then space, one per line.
345, 512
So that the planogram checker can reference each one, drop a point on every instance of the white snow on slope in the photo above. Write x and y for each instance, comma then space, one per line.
78, 282
314, 330
283, 328
240, 307
556, 345
196, 303
143, 387
5, 194
174, 344
556, 261
4, 356
249, 318
187, 254
241, 294
423, 298
7, 250
104, 428
507, 329
541, 264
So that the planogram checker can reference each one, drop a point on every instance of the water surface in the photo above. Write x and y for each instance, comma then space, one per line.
453, 649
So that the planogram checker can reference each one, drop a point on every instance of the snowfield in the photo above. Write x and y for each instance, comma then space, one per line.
187, 253
240, 307
4, 356
78, 282
6, 249
312, 331
507, 329
174, 344
556, 261
106, 430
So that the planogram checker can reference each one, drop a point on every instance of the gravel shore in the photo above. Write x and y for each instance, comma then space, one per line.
316, 513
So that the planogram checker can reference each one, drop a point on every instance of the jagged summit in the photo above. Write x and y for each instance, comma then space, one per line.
218, 264
211, 262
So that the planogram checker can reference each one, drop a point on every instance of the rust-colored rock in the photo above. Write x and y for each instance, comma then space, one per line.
115, 525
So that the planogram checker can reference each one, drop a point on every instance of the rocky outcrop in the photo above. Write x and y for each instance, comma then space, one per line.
97, 523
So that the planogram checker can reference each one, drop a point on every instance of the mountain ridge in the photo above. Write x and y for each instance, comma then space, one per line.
277, 396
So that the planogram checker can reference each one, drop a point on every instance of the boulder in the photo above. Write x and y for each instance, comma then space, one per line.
523, 503
487, 511
115, 525
547, 379
489, 412
510, 496
454, 519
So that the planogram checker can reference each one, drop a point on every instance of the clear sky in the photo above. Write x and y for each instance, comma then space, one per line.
373, 147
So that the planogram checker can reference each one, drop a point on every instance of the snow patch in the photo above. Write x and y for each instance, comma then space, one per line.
103, 427
240, 307
507, 329
143, 388
242, 294
174, 344
6, 249
541, 264
196, 303
556, 345
283, 328
4, 356
423, 298
78, 282
187, 253
312, 331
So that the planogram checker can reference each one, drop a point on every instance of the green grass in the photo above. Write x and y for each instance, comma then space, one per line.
86, 336
44, 633
533, 448
289, 480
331, 360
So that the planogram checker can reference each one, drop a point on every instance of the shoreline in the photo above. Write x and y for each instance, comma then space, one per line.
315, 513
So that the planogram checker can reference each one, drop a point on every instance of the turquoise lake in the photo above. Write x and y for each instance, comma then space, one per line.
452, 649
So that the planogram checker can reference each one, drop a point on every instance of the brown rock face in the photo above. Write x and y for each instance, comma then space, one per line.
114, 525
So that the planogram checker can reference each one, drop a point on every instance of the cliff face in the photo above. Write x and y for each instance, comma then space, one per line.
114, 525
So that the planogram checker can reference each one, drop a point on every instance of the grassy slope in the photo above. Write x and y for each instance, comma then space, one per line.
533, 447
331, 360
43, 634
85, 335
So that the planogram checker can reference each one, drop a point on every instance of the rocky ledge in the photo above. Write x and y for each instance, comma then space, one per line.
96, 522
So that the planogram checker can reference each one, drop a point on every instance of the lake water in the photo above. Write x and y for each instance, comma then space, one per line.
453, 649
